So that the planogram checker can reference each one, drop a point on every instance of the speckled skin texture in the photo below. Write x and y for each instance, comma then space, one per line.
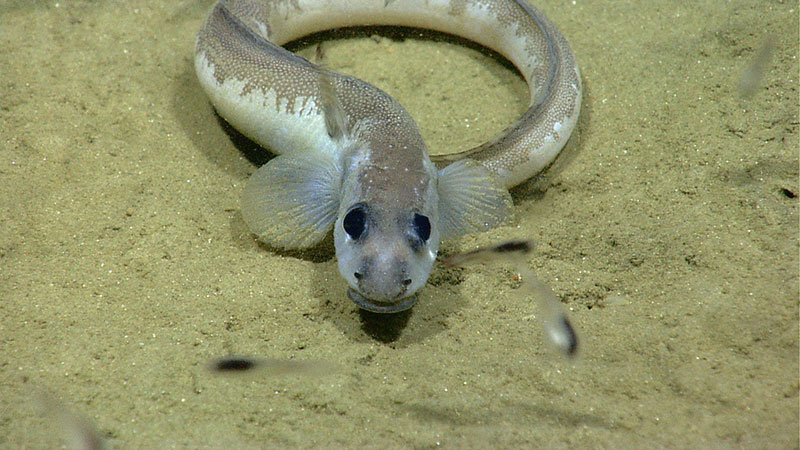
291, 83
272, 96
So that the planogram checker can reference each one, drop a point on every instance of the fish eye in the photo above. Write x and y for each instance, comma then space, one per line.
355, 222
422, 227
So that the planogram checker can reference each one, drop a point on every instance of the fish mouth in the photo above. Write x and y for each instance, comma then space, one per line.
381, 307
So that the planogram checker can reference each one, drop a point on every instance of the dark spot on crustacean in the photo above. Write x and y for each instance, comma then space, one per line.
513, 246
233, 364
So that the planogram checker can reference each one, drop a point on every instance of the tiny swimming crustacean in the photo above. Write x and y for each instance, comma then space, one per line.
350, 157
557, 326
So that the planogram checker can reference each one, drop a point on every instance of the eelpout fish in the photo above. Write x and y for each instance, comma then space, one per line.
352, 158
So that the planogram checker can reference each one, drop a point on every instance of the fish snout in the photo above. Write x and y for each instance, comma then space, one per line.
382, 286
383, 279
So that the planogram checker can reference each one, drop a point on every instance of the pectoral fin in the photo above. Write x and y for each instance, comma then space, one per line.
291, 202
469, 200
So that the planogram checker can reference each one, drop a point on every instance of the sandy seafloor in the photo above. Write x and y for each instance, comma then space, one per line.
671, 237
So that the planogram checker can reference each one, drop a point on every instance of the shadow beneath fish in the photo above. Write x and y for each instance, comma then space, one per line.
385, 328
